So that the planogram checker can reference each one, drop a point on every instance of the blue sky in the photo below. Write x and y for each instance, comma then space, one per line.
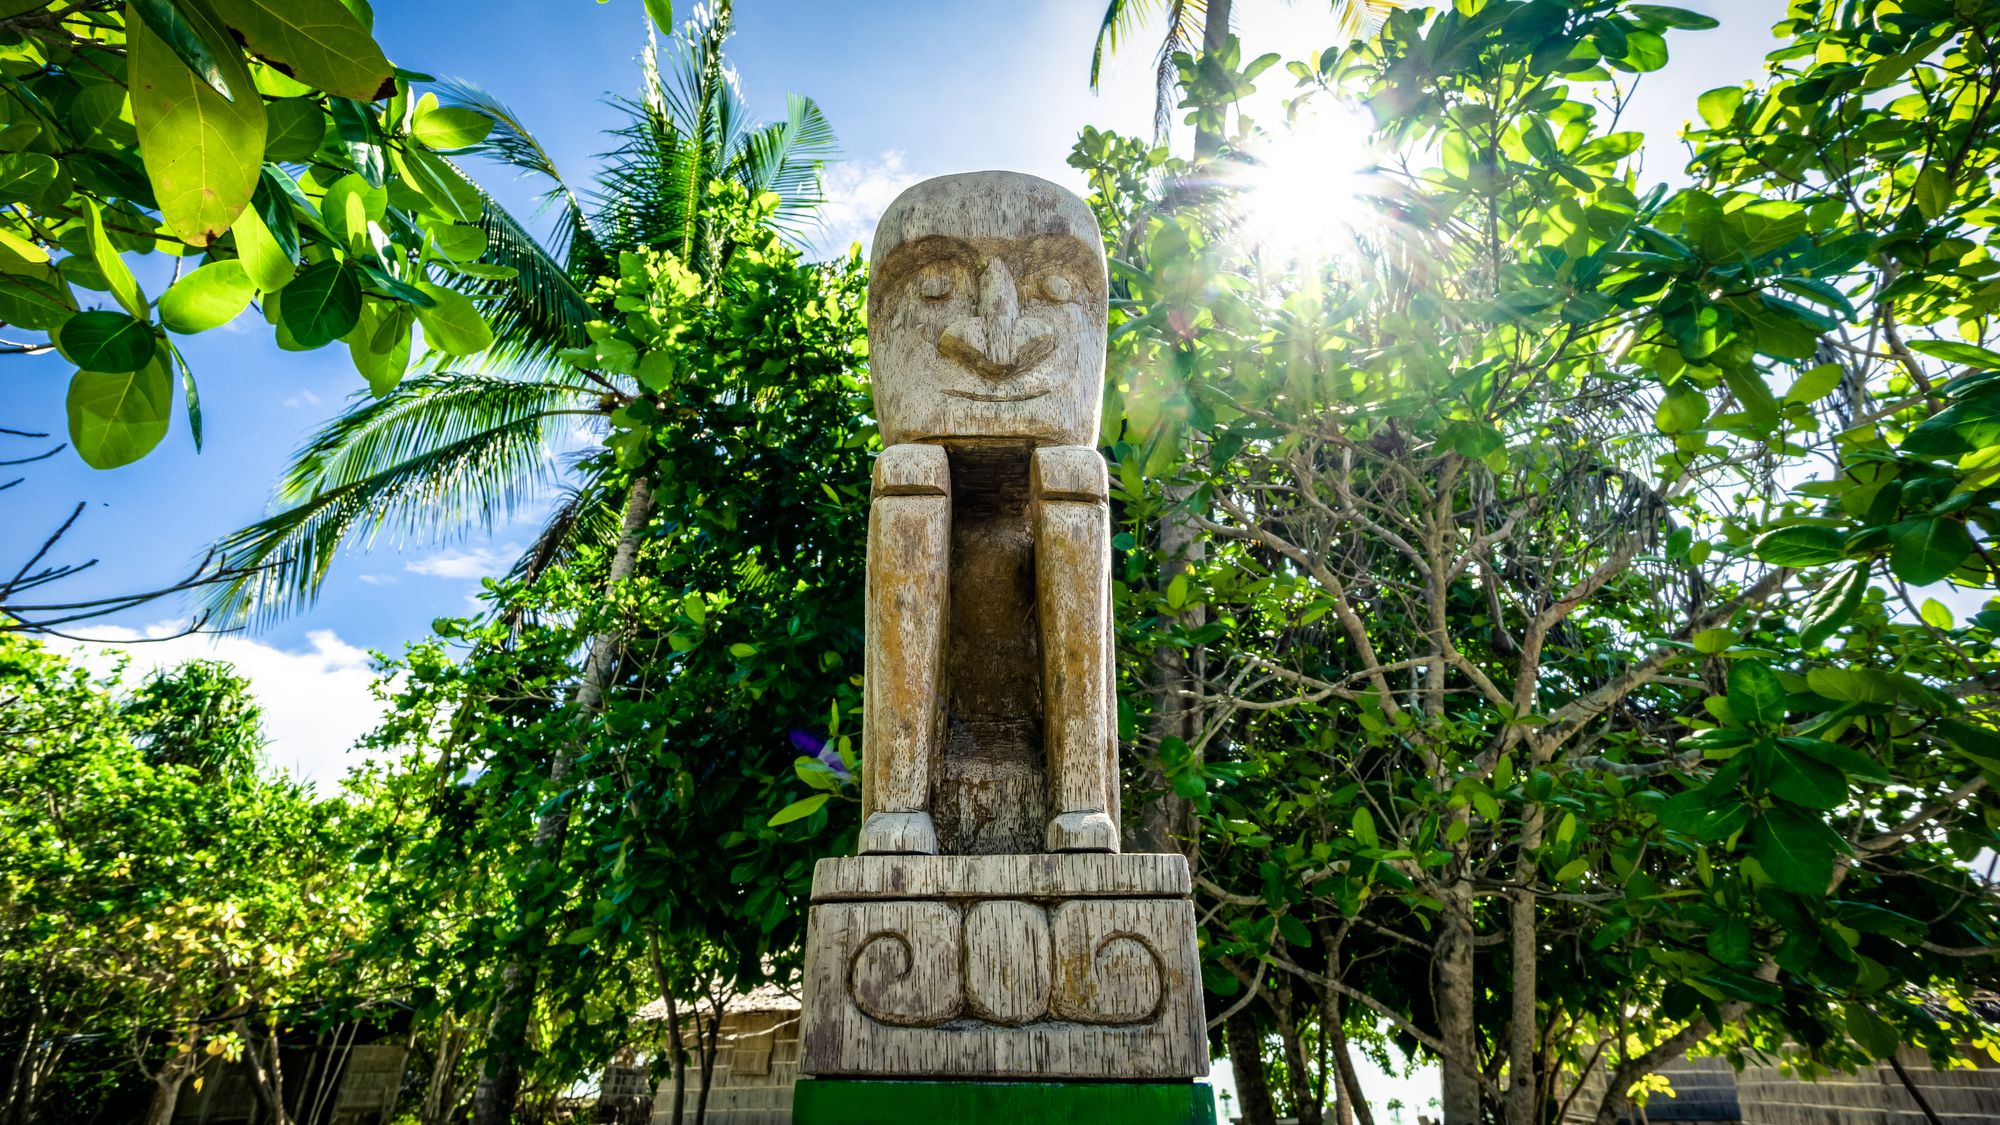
912, 89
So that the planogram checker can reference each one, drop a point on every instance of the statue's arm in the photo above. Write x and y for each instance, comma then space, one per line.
1071, 490
909, 557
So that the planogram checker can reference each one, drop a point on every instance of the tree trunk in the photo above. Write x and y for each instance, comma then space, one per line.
679, 1049
1305, 1094
1454, 992
708, 1053
267, 1078
1523, 1084
1166, 823
1246, 1058
507, 1036
166, 1094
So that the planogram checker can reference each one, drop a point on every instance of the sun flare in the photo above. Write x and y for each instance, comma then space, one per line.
1308, 192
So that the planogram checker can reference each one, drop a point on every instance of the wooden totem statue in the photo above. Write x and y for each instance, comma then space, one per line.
990, 929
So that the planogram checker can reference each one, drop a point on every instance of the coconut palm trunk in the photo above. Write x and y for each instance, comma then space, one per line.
500, 1078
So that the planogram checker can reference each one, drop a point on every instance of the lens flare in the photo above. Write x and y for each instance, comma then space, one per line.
1308, 191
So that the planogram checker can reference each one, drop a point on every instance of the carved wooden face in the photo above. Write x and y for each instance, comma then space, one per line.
986, 310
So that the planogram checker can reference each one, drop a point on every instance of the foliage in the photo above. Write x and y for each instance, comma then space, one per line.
299, 169
165, 900
1553, 720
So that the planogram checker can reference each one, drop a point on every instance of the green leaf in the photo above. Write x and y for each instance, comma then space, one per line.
1869, 1031
296, 128
1729, 942
318, 42
440, 184
1756, 697
1679, 18
1922, 551
349, 205
173, 29
799, 810
1968, 424
24, 176
322, 304
265, 262
458, 241
1851, 685
1681, 410
1832, 606
453, 326
1796, 849
741, 651
210, 297
449, 127
202, 151
662, 13
115, 418
1295, 932
110, 342
1803, 779
1800, 545
1708, 642
1364, 829
1816, 384
380, 344
1936, 614
116, 275
1952, 351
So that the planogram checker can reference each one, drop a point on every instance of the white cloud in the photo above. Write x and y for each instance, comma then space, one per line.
377, 579
857, 192
475, 564
316, 701
303, 398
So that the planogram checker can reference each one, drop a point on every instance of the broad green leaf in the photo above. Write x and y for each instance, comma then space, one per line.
380, 344
190, 394
1971, 423
799, 810
440, 184
24, 176
453, 326
1936, 614
318, 42
322, 304
1803, 779
449, 127
1711, 641
1922, 551
1729, 942
1869, 1031
16, 250
1851, 685
1681, 410
117, 277
39, 299
1364, 829
115, 418
458, 241
1679, 18
296, 128
1856, 765
1756, 698
110, 342
1796, 849
1801, 545
662, 13
349, 205
1754, 395
174, 29
210, 297
265, 263
1832, 606
1953, 351
202, 151
1816, 384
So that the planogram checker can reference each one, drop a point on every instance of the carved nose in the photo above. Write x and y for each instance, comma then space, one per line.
999, 343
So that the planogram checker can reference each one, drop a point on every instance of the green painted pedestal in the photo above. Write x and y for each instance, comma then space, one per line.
876, 1101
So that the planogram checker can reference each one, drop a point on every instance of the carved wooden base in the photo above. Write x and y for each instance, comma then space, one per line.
1018, 966
862, 1101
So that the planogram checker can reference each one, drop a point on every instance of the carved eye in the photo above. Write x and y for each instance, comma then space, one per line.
1055, 287
934, 284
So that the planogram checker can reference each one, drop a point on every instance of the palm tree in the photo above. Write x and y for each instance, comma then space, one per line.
446, 448
1208, 19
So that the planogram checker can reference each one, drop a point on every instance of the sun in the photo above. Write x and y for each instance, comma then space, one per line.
1308, 191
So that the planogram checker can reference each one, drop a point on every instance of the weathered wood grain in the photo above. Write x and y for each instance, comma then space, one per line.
1037, 876
1069, 486
1124, 996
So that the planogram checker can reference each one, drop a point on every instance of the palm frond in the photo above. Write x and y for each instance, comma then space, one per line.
540, 310
1121, 17
785, 158
1186, 20
441, 450
589, 513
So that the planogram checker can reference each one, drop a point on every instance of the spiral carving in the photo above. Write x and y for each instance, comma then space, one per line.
1107, 971
907, 971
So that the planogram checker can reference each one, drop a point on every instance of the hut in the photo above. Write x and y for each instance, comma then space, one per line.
756, 1061
1708, 1091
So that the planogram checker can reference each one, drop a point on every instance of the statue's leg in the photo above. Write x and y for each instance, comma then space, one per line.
1073, 591
909, 557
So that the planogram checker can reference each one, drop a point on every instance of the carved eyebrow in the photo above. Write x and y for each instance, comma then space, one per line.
1056, 251
913, 256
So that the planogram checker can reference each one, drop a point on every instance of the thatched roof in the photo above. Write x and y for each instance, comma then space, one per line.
763, 998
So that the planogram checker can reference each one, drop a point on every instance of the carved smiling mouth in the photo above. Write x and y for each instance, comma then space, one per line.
977, 397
